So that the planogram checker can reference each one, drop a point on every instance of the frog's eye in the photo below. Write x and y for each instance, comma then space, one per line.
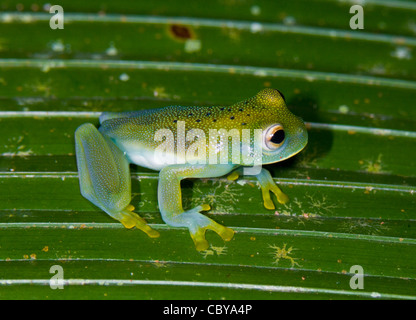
274, 137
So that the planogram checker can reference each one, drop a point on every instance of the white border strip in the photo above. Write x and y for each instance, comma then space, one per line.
236, 286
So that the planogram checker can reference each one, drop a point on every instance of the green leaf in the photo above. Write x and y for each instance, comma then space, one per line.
352, 190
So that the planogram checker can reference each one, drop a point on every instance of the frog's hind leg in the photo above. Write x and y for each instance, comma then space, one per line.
104, 177
170, 202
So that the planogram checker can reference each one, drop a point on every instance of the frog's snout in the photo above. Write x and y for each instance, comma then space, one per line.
300, 136
303, 138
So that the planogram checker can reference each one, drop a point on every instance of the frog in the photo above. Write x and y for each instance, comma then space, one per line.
104, 156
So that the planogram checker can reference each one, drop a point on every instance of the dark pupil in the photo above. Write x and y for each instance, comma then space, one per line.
278, 137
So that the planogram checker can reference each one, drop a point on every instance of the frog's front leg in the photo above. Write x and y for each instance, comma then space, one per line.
170, 201
104, 177
268, 185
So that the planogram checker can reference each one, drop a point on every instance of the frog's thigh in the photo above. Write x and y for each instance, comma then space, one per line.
268, 185
103, 171
104, 176
170, 201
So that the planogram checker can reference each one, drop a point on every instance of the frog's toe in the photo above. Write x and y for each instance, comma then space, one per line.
198, 224
226, 233
130, 219
198, 236
268, 203
281, 197
233, 176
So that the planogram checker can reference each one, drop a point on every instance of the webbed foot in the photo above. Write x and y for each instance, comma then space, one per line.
198, 223
268, 185
281, 197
